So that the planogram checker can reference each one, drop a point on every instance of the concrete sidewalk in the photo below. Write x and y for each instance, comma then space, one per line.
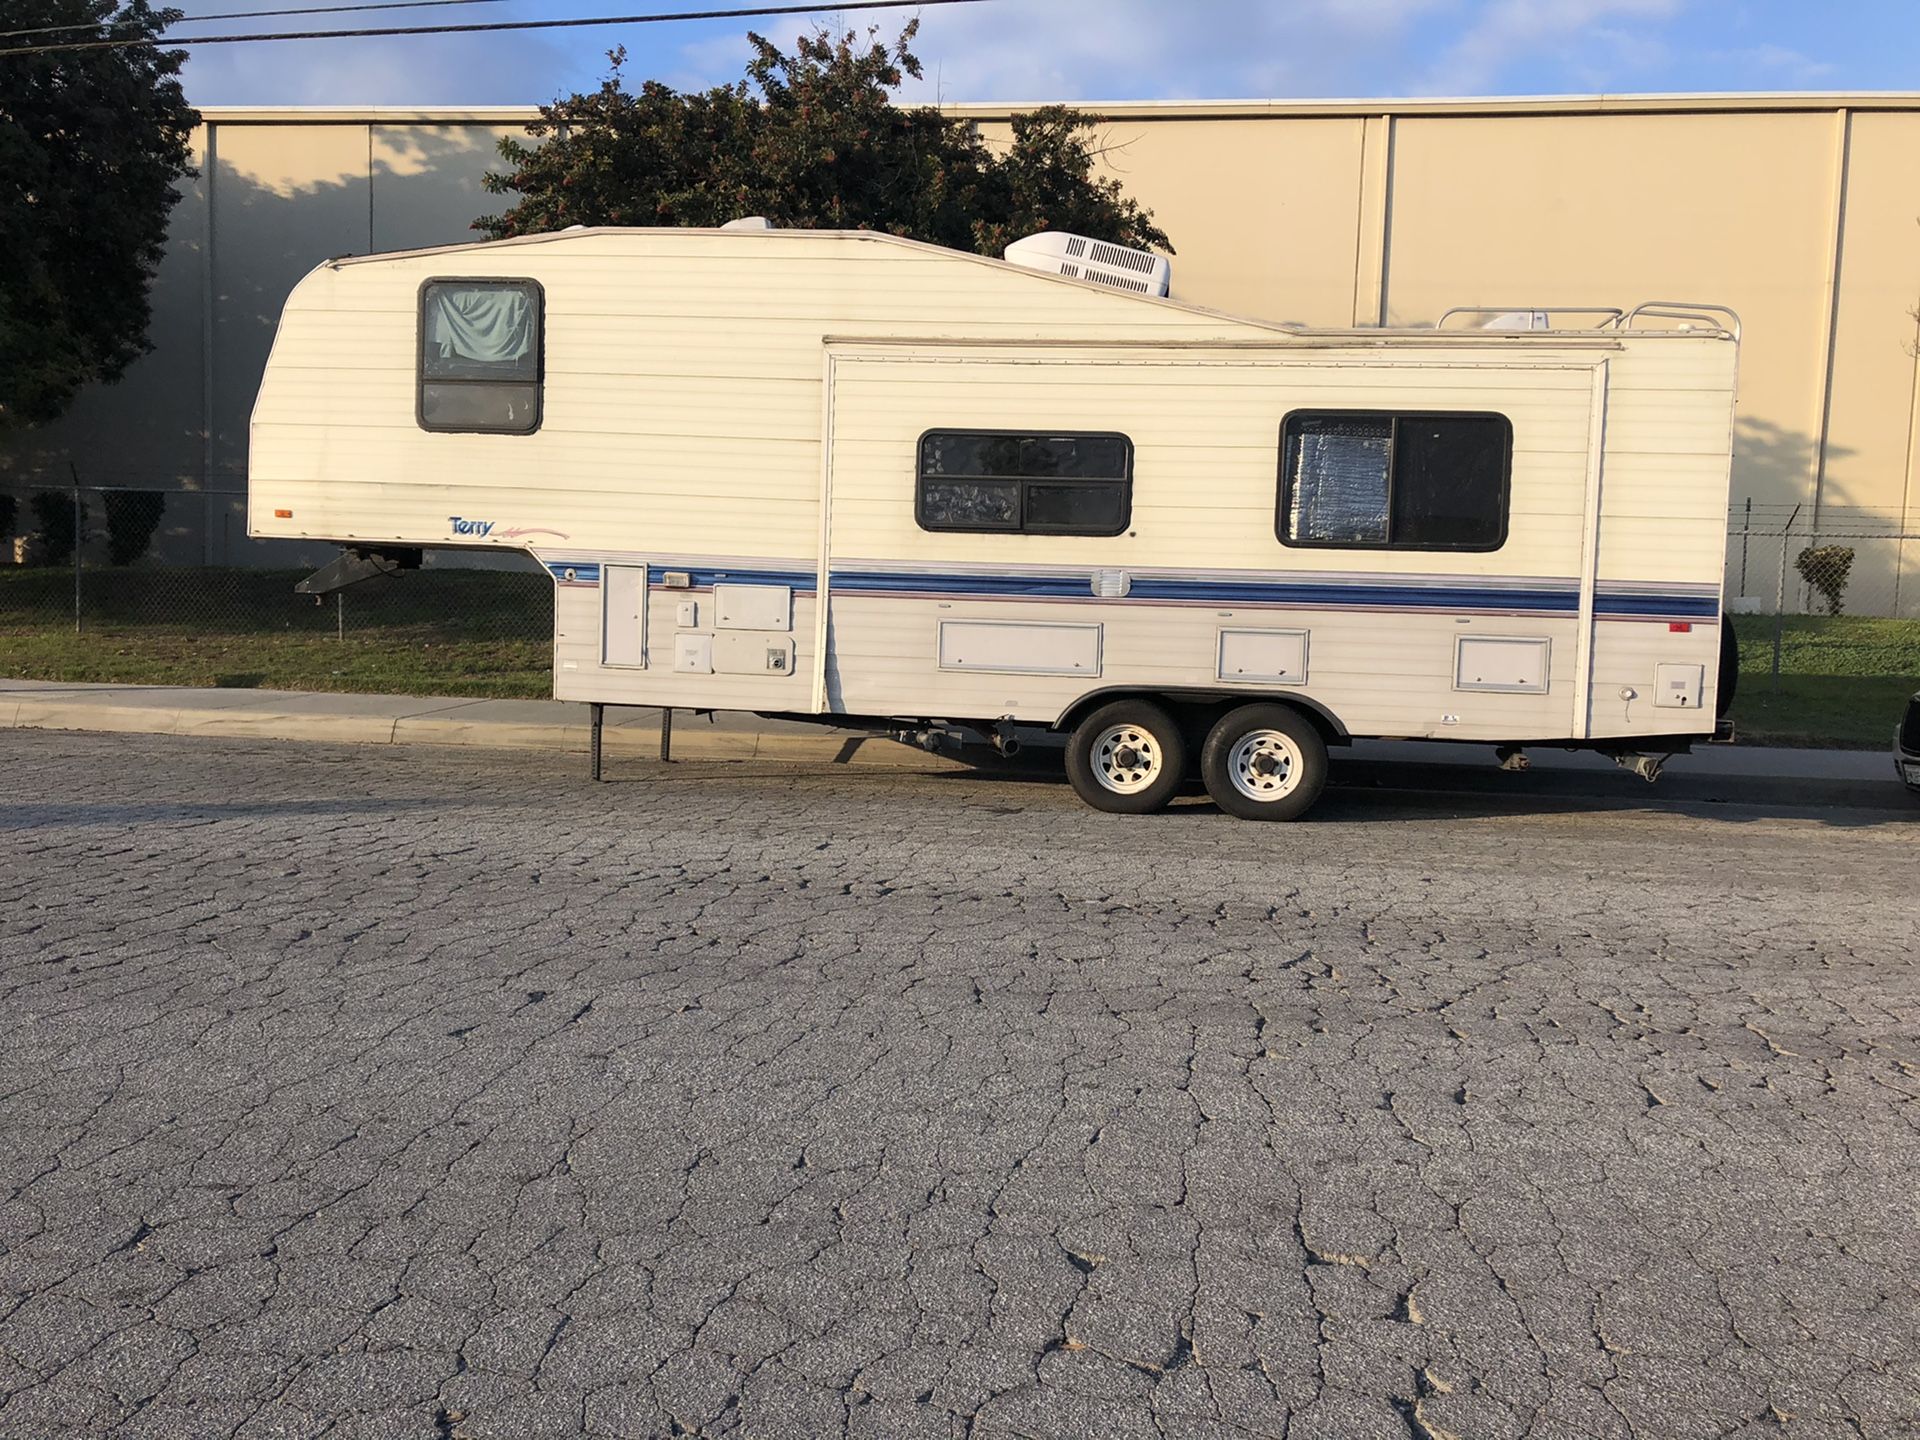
434, 720
1711, 772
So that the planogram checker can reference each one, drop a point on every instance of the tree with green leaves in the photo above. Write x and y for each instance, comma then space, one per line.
92, 145
1827, 568
810, 140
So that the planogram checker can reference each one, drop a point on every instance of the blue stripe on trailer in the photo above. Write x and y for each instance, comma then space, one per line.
1305, 594
587, 572
706, 579
1617, 602
1630, 605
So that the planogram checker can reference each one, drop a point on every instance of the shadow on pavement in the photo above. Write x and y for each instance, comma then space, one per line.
1362, 790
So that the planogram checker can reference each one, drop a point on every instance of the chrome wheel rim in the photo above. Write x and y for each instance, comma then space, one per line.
1265, 765
1127, 759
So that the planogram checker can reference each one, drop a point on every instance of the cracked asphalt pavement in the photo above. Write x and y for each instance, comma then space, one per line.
410, 1093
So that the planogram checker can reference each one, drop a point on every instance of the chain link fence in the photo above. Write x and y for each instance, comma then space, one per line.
1826, 609
1792, 560
1815, 586
108, 583
129, 584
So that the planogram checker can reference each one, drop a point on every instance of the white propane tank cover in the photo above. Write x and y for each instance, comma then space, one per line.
1079, 257
749, 222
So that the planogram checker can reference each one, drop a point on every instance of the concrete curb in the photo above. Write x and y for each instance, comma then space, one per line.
357, 720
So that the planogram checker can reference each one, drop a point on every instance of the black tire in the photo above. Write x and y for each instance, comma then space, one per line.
1302, 750
1728, 684
1096, 751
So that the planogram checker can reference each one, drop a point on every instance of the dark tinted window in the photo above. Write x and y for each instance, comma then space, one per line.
1395, 481
970, 506
480, 353
1077, 509
1025, 483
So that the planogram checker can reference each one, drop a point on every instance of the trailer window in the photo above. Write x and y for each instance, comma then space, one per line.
480, 354
1395, 481
1024, 483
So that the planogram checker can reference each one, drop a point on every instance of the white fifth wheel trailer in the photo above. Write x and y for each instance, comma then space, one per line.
849, 477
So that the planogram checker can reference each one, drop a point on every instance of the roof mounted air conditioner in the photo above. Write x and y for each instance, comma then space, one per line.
1081, 258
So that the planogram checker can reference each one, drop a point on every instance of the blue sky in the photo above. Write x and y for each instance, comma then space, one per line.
1114, 50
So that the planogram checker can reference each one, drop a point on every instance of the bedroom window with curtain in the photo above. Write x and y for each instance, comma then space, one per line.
480, 356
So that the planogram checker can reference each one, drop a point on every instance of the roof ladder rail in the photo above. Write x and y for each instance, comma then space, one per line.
1716, 317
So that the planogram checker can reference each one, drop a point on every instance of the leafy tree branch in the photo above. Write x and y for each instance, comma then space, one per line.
811, 140
92, 146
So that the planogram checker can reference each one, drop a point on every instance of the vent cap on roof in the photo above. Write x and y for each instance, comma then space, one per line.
1519, 320
1080, 258
749, 222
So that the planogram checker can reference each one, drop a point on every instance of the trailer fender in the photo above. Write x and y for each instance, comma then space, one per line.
1204, 703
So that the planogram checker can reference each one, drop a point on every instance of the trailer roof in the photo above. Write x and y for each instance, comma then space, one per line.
1618, 319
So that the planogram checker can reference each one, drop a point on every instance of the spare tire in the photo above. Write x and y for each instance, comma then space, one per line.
1729, 683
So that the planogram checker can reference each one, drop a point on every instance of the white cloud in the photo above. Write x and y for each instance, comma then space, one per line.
1043, 49
1053, 50
473, 69
722, 59
1584, 36
1012, 50
1777, 61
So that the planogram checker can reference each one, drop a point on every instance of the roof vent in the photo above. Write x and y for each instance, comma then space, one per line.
749, 222
1518, 320
1079, 258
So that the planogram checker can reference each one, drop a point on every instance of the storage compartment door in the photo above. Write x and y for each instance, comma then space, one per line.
1515, 664
623, 616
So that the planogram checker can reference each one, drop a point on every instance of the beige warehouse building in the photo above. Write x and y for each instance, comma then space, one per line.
1802, 212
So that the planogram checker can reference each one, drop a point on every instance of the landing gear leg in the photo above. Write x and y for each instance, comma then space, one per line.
1647, 767
597, 712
